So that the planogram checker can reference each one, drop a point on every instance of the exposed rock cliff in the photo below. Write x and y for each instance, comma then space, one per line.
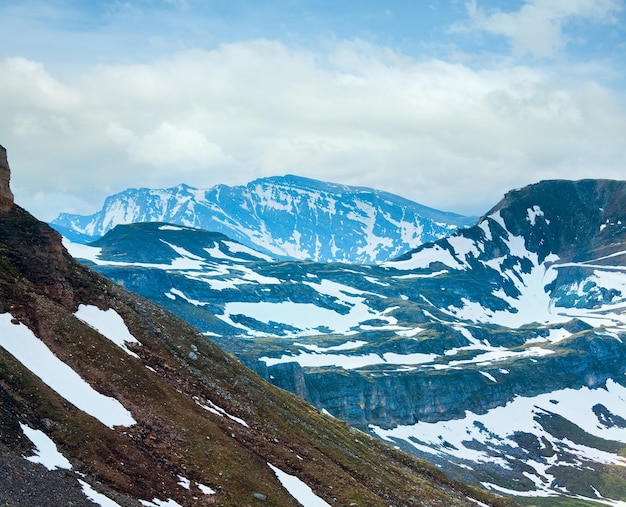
6, 196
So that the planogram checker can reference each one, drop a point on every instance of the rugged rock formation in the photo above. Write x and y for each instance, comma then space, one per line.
6, 196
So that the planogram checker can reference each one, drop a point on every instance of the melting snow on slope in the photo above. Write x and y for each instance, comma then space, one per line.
344, 346
170, 227
187, 260
98, 498
46, 452
303, 316
48, 455
533, 213
185, 483
298, 489
20, 341
160, 503
320, 356
349, 362
79, 251
216, 253
109, 324
308, 318
235, 248
532, 305
215, 409
497, 427
239, 248
424, 258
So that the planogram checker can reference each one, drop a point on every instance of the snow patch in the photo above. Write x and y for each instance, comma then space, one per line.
160, 503
496, 429
20, 342
349, 362
109, 324
214, 409
171, 228
94, 496
533, 213
46, 452
298, 489
239, 248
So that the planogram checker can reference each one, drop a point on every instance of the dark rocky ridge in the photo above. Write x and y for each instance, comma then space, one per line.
585, 218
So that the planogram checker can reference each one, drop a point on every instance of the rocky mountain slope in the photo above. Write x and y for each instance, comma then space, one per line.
107, 399
498, 352
286, 217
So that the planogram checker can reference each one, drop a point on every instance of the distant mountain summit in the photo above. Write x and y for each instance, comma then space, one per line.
286, 217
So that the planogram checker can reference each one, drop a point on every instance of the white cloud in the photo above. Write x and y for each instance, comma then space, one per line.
538, 27
443, 134
34, 88
170, 145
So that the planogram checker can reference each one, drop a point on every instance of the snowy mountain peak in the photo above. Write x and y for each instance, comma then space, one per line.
287, 217
538, 247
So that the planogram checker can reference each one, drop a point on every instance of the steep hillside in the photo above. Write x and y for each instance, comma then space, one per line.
286, 217
497, 352
106, 396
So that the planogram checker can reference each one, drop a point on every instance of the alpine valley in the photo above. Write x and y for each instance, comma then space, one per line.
497, 352
107, 399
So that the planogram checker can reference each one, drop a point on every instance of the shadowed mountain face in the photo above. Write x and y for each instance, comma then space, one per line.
497, 352
104, 394
287, 217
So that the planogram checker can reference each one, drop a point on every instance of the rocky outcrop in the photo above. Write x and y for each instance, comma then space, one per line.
6, 196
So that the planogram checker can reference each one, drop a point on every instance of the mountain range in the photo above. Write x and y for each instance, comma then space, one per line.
107, 399
288, 217
497, 352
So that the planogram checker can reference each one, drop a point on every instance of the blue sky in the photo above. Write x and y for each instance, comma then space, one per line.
450, 103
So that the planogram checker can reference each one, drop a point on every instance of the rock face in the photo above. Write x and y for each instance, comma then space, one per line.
6, 196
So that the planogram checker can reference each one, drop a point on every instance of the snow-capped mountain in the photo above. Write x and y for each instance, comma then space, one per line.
498, 353
287, 217
107, 399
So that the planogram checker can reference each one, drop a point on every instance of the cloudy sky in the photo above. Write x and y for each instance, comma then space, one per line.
450, 103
